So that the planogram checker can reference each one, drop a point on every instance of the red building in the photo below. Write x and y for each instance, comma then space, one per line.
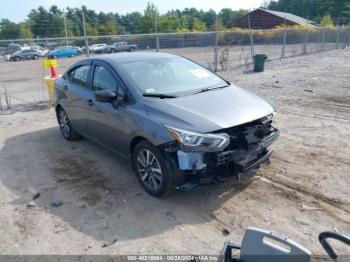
267, 19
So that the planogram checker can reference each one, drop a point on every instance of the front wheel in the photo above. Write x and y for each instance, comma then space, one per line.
66, 128
152, 169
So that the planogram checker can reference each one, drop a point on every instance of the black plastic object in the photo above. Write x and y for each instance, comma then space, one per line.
323, 240
259, 62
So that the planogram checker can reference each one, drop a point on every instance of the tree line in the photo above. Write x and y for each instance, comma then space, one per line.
336, 10
55, 22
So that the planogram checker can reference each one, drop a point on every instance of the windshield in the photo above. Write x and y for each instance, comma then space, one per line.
170, 75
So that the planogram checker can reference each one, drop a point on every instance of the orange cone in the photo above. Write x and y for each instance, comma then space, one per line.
53, 72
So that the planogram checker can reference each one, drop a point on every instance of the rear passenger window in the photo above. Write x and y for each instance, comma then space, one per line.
80, 75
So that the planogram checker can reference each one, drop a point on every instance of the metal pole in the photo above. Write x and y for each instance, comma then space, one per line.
216, 46
156, 31
323, 36
284, 42
251, 38
284, 38
306, 41
85, 36
65, 28
338, 36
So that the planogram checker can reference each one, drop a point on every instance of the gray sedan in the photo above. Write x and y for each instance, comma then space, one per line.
180, 124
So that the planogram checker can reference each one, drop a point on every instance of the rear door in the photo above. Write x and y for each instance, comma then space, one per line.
79, 96
106, 121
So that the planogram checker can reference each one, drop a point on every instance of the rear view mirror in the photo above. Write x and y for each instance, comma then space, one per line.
105, 96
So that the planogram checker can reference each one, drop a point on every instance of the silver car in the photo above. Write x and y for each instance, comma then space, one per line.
180, 124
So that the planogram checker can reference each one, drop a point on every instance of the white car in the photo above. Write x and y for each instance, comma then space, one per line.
98, 48
43, 51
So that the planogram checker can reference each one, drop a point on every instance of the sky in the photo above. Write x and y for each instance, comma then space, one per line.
17, 11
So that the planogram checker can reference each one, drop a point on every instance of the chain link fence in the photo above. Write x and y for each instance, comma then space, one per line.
219, 50
212, 49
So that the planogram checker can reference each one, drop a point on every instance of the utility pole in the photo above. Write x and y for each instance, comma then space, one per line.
65, 28
85, 36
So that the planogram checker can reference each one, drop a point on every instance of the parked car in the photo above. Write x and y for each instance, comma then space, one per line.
63, 51
98, 48
176, 120
6, 51
42, 51
120, 47
24, 55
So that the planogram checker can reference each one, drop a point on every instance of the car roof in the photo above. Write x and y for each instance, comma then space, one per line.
115, 59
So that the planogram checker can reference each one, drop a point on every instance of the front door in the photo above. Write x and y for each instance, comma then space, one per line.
106, 121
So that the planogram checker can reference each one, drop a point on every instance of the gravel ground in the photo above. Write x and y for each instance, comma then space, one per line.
305, 189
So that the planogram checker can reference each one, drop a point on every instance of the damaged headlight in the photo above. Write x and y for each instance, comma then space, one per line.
192, 141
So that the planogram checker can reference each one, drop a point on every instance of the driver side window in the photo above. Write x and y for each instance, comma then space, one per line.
104, 80
79, 75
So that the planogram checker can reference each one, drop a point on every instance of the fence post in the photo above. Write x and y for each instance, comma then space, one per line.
306, 40
284, 42
216, 49
338, 36
251, 40
323, 36
251, 44
156, 31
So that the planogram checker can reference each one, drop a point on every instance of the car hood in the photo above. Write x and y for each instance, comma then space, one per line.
209, 111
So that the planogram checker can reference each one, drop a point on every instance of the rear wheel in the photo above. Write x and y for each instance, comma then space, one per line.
66, 128
152, 169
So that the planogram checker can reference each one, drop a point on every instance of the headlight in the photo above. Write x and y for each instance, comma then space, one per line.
192, 141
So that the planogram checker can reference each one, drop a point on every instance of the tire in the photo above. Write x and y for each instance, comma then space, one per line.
66, 128
154, 174
35, 57
132, 49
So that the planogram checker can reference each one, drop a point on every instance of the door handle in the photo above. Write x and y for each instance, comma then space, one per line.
90, 102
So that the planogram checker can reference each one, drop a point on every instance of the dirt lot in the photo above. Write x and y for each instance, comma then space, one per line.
305, 189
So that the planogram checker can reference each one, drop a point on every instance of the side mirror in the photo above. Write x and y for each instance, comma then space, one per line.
105, 96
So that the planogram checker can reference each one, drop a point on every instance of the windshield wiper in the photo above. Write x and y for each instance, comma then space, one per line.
159, 95
208, 89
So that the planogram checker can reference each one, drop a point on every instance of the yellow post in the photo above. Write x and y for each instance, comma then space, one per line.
50, 83
50, 80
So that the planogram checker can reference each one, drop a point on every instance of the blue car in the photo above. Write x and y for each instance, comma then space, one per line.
63, 51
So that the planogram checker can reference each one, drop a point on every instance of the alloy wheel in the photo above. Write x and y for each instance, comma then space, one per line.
149, 169
64, 123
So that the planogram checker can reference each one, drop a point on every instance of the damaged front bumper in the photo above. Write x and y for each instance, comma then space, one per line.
248, 149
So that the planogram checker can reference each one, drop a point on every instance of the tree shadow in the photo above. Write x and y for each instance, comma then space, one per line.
100, 194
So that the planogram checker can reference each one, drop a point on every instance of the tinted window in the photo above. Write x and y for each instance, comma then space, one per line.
79, 75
